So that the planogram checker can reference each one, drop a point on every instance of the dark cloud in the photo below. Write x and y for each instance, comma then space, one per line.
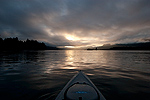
88, 22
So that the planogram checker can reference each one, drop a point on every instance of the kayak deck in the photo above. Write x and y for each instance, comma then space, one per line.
80, 87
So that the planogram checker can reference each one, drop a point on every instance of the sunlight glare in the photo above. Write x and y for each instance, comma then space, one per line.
71, 37
69, 47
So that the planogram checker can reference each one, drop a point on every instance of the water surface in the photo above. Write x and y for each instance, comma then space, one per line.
35, 75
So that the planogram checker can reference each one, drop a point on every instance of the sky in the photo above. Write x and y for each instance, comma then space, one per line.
76, 23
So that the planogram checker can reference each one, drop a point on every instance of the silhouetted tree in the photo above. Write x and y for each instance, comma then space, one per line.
15, 44
1, 43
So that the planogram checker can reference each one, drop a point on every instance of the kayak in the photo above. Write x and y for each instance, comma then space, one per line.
80, 87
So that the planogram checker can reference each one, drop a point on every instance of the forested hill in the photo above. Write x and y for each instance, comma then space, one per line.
129, 46
16, 44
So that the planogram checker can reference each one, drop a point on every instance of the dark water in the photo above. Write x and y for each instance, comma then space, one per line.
35, 75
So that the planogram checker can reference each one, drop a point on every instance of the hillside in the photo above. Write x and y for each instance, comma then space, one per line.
130, 46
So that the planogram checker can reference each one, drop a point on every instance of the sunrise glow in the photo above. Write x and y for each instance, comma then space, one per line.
69, 46
71, 37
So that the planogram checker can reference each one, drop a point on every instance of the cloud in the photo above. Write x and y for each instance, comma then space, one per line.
91, 22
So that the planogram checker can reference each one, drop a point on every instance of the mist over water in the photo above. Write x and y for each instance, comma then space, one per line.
36, 75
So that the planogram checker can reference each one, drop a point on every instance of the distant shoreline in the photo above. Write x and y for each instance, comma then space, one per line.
14, 44
131, 46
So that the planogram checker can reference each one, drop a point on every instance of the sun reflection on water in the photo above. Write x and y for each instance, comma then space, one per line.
69, 60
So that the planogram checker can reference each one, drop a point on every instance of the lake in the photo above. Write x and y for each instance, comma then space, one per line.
38, 75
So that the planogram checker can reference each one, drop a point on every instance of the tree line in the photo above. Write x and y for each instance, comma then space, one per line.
16, 44
129, 46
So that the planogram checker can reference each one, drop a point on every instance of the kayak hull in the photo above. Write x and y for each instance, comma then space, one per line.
80, 87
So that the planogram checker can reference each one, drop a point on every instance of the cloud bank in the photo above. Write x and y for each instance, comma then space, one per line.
76, 22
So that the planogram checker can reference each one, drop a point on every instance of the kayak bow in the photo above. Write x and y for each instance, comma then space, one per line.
80, 87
